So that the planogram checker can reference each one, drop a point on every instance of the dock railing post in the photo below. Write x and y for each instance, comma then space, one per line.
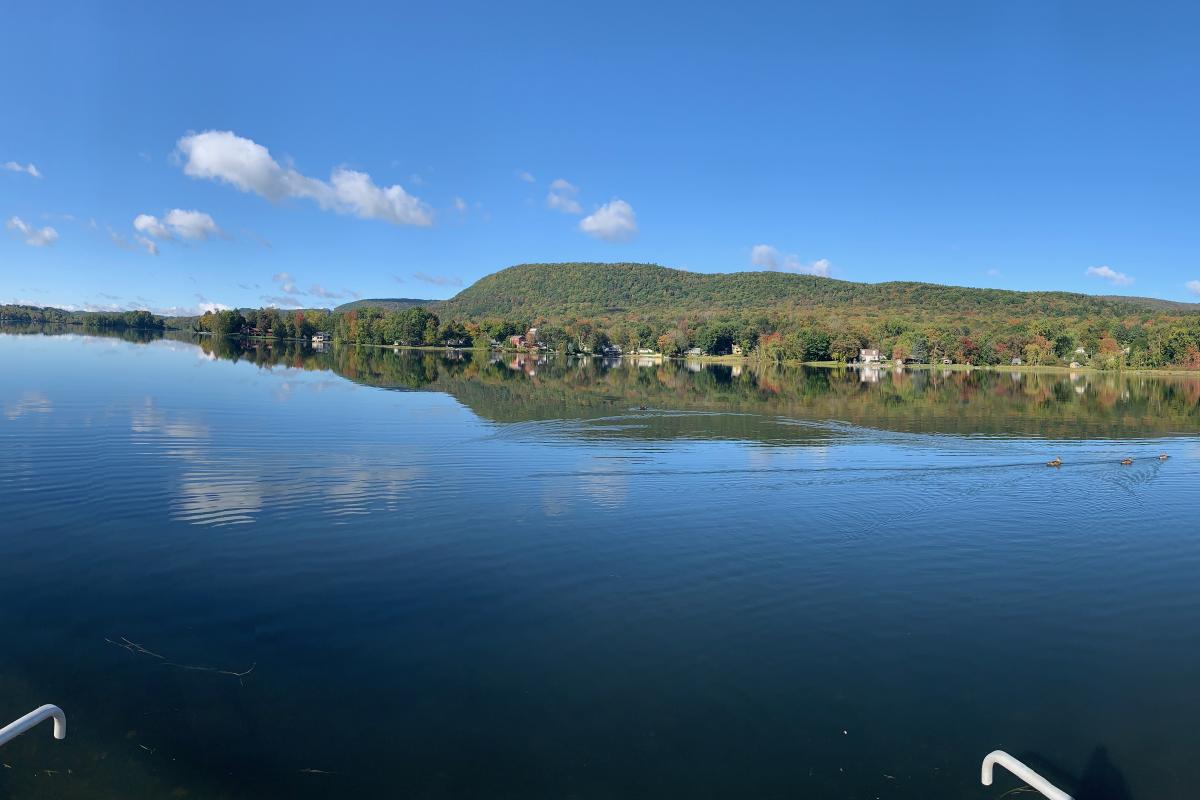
32, 720
1023, 772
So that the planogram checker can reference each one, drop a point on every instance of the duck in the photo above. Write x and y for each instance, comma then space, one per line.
1127, 461
1055, 463
1163, 457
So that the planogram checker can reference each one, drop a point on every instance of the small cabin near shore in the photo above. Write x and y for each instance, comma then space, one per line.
868, 356
321, 337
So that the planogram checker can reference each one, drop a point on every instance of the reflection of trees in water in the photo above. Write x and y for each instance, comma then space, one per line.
511, 388
134, 335
521, 388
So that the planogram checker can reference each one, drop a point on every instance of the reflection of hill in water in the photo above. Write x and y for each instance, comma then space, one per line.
747, 402
750, 403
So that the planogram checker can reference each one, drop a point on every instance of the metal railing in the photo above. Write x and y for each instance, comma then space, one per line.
1021, 771
32, 720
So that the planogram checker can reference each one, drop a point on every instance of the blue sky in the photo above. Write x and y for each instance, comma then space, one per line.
408, 150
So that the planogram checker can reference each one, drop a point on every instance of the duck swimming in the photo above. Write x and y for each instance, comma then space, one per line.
1127, 461
1163, 457
1055, 463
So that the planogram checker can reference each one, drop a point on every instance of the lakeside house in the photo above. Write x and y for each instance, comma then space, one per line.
528, 341
868, 356
737, 350
693, 351
1016, 362
321, 337
947, 362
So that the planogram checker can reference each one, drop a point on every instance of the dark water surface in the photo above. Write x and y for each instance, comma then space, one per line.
374, 574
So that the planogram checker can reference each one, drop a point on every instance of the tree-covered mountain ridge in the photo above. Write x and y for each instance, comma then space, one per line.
602, 289
776, 316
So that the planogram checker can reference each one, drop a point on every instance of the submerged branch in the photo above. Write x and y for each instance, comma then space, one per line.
137, 649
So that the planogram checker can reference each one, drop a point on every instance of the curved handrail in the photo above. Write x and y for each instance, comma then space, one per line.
32, 720
1021, 771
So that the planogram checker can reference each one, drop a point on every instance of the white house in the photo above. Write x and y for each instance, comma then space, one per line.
868, 356
321, 337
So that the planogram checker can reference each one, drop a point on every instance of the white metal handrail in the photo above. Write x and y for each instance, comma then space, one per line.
1021, 771
32, 720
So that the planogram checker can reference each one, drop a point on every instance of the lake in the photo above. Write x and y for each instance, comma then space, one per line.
270, 572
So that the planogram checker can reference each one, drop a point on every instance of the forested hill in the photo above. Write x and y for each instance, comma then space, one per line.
591, 289
386, 303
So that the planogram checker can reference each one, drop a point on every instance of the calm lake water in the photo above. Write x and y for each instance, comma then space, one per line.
274, 573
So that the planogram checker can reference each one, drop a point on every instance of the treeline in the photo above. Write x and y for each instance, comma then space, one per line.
410, 327
1142, 341
266, 322
115, 320
1138, 342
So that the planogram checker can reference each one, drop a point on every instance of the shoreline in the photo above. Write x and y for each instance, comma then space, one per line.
726, 360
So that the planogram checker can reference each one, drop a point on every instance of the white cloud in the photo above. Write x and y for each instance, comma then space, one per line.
34, 237
563, 197
437, 280
767, 257
317, 290
150, 226
248, 166
993, 273
614, 221
143, 242
819, 267
119, 240
281, 302
191, 224
176, 223
460, 205
28, 169
1194, 287
287, 284
525, 176
148, 244
1111, 275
